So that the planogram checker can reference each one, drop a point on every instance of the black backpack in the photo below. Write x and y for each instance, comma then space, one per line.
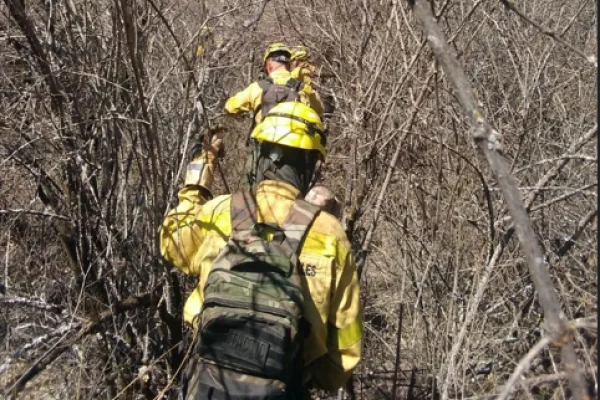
251, 329
274, 94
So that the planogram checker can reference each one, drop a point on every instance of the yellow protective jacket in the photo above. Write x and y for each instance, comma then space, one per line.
195, 231
250, 98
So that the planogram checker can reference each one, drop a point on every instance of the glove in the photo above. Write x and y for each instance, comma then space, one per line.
202, 142
200, 171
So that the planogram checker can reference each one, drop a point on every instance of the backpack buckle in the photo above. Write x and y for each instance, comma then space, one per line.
259, 229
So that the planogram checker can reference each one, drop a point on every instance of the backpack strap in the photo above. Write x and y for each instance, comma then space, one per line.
298, 222
243, 213
264, 84
295, 84
296, 225
312, 127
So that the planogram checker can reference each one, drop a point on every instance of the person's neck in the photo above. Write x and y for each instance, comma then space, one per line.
277, 68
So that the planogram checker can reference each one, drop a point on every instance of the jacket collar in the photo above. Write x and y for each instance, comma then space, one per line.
278, 188
280, 73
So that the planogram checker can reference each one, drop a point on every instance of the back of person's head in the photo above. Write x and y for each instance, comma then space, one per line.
291, 145
277, 55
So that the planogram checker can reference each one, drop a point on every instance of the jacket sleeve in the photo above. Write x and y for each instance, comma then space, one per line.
314, 100
243, 101
345, 330
181, 231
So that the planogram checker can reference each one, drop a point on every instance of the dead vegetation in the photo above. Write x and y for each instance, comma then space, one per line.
101, 102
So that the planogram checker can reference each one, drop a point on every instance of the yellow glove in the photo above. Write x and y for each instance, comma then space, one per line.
200, 171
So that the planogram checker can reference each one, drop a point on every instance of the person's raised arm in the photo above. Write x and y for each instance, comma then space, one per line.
181, 232
243, 101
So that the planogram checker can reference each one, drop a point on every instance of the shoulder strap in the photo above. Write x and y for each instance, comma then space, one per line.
243, 212
295, 84
296, 225
298, 222
266, 83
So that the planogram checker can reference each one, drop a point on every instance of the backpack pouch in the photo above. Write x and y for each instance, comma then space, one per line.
216, 383
248, 343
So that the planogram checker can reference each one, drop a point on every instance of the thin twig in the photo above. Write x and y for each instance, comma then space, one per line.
509, 5
554, 171
33, 303
487, 140
589, 217
363, 255
34, 212
18, 384
557, 199
523, 366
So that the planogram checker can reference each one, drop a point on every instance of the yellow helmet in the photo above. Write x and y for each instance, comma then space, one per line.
292, 124
276, 48
299, 52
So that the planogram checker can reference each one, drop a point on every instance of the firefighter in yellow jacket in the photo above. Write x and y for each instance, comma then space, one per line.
276, 62
194, 233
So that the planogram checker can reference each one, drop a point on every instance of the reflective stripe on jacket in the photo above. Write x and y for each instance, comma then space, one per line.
250, 98
195, 231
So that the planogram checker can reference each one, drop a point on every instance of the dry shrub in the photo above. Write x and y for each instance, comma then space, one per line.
100, 104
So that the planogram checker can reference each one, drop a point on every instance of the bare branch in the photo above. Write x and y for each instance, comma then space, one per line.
34, 212
523, 366
585, 221
17, 385
510, 5
487, 139
22, 301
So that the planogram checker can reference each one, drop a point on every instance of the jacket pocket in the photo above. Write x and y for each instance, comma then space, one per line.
316, 271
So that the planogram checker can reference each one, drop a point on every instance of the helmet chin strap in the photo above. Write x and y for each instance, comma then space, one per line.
315, 175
